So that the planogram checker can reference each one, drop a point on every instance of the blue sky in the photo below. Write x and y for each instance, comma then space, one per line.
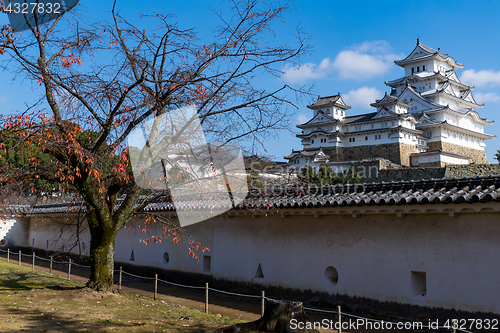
354, 45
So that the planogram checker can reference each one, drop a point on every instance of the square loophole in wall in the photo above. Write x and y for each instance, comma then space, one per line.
418, 283
207, 263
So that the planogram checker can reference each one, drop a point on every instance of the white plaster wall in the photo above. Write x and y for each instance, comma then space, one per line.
429, 158
453, 160
463, 140
374, 256
416, 160
438, 63
14, 230
58, 233
128, 239
468, 123
415, 65
317, 141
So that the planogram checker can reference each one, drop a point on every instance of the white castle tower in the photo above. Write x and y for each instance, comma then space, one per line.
428, 119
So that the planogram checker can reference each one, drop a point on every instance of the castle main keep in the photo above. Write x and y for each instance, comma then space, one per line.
428, 119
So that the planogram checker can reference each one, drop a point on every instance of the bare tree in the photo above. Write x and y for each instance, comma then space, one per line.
102, 80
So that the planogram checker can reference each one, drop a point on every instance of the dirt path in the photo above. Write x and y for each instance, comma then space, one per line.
230, 307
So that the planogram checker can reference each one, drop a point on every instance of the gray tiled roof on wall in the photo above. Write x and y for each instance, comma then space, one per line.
424, 192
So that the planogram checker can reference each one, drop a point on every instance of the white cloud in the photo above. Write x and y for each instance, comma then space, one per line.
4, 99
359, 62
487, 97
365, 61
308, 71
301, 118
481, 78
362, 97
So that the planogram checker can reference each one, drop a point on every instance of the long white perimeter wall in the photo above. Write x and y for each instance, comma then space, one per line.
374, 254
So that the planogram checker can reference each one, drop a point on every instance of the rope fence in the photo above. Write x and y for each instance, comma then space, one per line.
338, 314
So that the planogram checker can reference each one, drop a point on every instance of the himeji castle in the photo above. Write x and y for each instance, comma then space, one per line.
428, 119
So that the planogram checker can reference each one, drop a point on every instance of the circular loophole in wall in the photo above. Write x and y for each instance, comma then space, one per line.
166, 258
331, 274
3, 242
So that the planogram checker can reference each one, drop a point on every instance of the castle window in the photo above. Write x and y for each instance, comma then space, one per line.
366, 138
373, 125
413, 70
353, 139
389, 135
418, 69
423, 67
312, 141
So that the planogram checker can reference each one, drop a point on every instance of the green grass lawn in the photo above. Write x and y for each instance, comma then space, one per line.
33, 301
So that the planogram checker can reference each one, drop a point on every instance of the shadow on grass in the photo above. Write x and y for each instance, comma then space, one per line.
34, 320
27, 281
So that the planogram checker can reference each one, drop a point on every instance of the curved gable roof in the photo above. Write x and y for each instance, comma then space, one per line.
322, 117
415, 95
335, 100
390, 100
422, 52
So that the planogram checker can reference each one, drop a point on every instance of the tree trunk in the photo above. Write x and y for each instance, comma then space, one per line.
102, 253
277, 319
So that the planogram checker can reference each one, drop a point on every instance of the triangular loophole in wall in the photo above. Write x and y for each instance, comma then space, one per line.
132, 258
259, 273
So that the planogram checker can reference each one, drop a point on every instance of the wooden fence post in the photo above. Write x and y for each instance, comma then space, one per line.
156, 285
8, 254
340, 319
69, 270
19, 257
206, 297
262, 298
33, 264
50, 267
120, 279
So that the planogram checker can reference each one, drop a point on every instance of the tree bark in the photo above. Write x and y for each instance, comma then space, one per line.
277, 319
102, 253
